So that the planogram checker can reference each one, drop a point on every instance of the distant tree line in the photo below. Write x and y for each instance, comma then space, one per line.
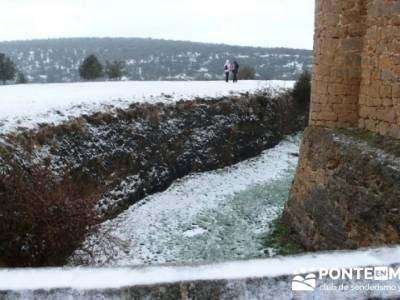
58, 60
92, 69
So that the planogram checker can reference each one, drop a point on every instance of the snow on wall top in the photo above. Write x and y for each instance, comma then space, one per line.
32, 104
102, 278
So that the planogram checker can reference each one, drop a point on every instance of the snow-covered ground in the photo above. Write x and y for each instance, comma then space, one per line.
211, 216
32, 104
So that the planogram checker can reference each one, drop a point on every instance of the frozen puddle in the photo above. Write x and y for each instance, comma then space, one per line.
211, 216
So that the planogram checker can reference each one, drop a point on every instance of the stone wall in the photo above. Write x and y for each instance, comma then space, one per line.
346, 191
379, 101
259, 279
357, 65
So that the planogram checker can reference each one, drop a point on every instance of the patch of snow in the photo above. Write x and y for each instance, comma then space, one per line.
196, 230
30, 104
202, 69
294, 64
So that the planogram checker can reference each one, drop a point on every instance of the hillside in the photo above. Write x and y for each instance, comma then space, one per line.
57, 60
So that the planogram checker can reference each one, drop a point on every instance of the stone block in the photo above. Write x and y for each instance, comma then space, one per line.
383, 128
387, 102
328, 116
361, 123
352, 44
394, 131
348, 118
367, 111
385, 91
337, 89
396, 90
344, 108
386, 114
370, 124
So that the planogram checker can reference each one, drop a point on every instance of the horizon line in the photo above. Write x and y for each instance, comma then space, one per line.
150, 38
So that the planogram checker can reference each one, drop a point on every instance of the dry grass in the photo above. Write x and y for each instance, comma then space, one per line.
42, 220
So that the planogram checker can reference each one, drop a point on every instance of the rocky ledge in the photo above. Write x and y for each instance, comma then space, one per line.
346, 192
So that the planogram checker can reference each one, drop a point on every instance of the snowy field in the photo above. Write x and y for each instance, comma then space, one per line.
26, 106
211, 216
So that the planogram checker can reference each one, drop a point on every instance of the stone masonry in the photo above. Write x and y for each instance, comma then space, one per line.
346, 192
356, 76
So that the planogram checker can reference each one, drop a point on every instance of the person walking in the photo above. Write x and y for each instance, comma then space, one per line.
227, 70
235, 70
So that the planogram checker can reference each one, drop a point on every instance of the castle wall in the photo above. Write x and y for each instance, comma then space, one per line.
346, 190
357, 65
379, 99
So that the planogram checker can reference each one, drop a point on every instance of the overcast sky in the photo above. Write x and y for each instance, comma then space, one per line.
269, 23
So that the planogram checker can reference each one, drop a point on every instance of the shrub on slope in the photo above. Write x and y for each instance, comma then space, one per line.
42, 219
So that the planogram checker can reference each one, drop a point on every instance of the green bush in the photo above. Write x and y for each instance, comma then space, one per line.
21, 79
91, 68
279, 238
247, 73
7, 68
115, 70
302, 89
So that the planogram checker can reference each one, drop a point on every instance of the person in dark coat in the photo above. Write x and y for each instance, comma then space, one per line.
235, 70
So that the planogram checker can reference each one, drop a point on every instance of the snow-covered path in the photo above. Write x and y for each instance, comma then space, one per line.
31, 104
209, 216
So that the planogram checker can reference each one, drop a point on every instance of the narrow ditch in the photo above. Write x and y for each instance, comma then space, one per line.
120, 157
205, 217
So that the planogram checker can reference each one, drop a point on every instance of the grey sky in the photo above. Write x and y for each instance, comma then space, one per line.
269, 23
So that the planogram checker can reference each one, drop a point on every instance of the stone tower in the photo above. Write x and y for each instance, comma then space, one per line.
356, 76
346, 193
